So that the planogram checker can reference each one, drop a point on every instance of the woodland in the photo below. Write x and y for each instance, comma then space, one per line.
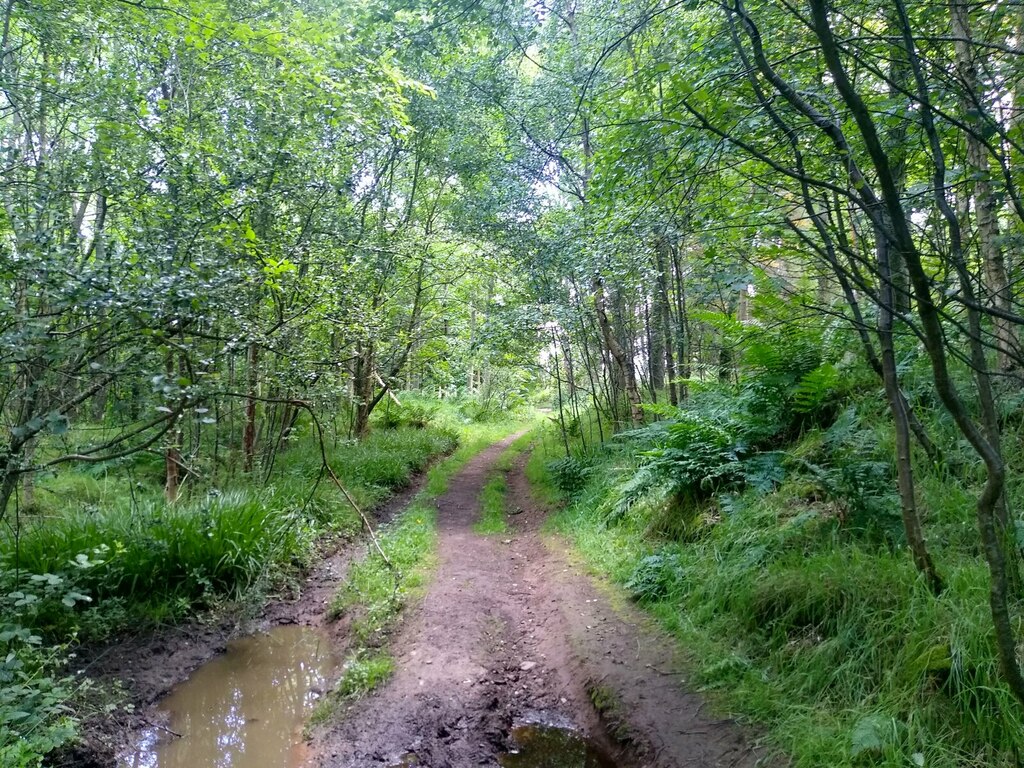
756, 263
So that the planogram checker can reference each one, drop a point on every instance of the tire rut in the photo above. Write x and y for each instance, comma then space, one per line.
512, 630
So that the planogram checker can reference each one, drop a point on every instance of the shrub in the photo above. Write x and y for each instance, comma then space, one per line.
655, 577
568, 474
34, 718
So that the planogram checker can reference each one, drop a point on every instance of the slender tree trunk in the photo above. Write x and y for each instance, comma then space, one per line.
172, 454
249, 433
997, 282
682, 326
623, 362
363, 387
663, 319
655, 358
932, 333
556, 367
592, 376
901, 422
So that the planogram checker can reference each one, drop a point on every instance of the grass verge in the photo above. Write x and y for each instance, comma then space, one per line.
825, 639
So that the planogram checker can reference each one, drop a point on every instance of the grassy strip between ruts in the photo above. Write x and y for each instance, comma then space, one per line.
374, 594
493, 502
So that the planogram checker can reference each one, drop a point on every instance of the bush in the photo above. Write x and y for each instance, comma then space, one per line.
411, 414
655, 577
34, 718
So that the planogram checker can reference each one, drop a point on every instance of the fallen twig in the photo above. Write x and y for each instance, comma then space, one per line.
163, 728
661, 671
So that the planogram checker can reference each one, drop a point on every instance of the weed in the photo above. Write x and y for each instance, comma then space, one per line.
361, 674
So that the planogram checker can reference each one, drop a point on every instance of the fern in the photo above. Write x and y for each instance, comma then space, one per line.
816, 389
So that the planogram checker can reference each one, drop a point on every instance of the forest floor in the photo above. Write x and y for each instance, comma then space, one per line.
511, 631
143, 668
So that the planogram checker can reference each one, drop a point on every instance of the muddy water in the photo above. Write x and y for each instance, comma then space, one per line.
244, 709
540, 745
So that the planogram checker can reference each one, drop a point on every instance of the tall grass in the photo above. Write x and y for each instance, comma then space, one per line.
134, 550
829, 641
218, 544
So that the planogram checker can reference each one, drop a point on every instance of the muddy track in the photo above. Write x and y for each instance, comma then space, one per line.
512, 630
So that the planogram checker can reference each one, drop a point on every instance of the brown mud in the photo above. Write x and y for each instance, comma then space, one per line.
512, 631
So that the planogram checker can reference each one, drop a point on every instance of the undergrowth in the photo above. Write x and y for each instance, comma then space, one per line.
765, 537
98, 552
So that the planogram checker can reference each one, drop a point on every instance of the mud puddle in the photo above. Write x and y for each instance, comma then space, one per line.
541, 745
547, 745
244, 709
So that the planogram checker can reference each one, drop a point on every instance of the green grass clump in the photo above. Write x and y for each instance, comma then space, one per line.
361, 674
375, 591
492, 506
221, 543
493, 496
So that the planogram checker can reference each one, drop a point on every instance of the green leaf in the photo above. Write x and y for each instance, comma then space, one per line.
870, 735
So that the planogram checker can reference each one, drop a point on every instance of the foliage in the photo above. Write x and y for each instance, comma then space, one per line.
34, 690
568, 474
794, 617
105, 563
654, 577
223, 222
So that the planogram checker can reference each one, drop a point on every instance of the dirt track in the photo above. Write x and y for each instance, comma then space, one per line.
511, 629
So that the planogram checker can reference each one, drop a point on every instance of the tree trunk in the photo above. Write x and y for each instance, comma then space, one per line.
997, 282
682, 327
623, 362
249, 432
663, 319
363, 388
901, 421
